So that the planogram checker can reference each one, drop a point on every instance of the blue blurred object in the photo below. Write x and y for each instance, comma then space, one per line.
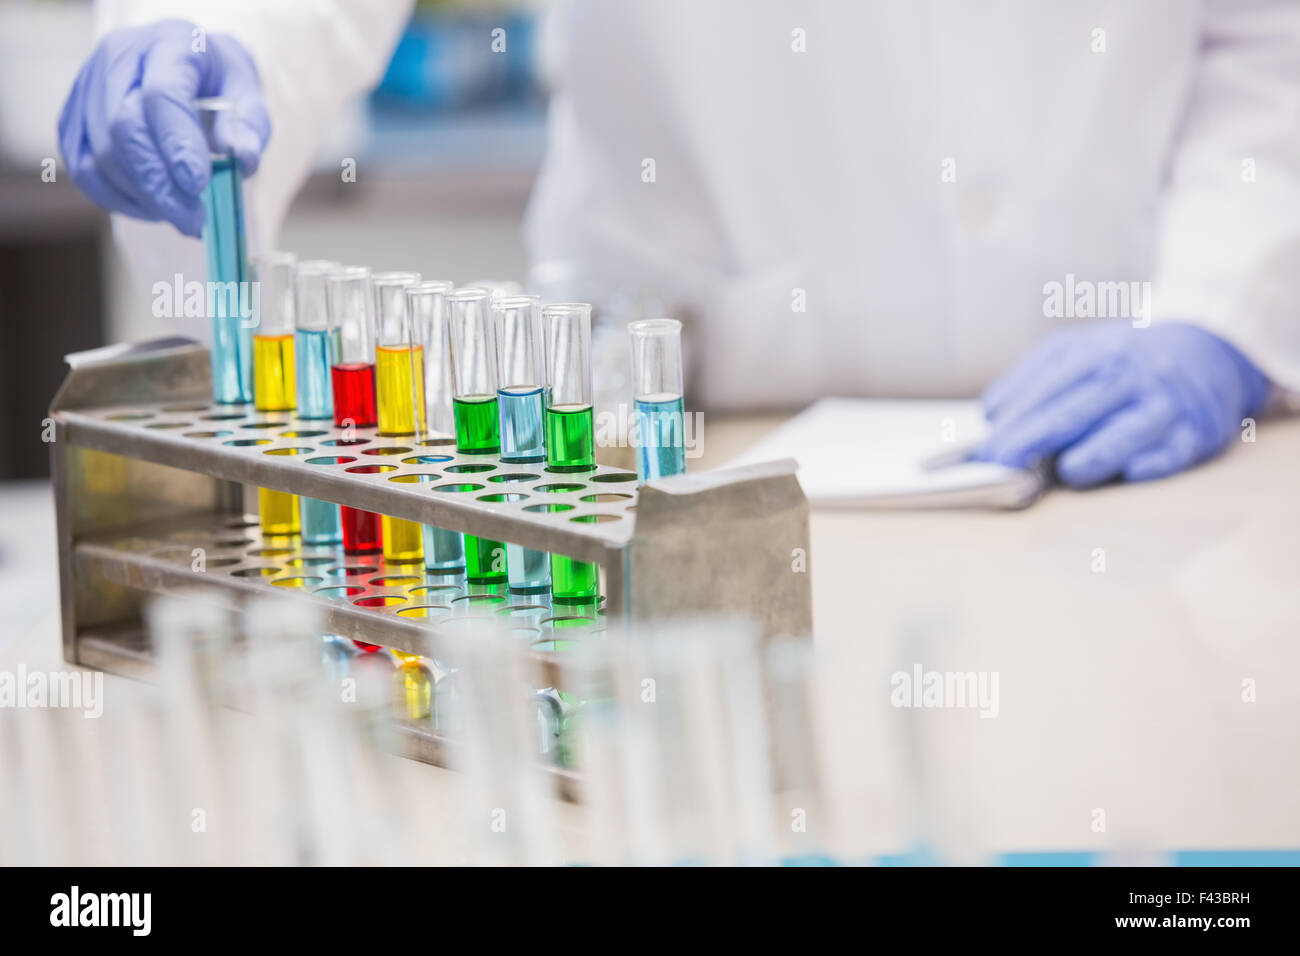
1116, 401
452, 60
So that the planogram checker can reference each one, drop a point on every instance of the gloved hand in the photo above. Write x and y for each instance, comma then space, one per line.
129, 133
1115, 400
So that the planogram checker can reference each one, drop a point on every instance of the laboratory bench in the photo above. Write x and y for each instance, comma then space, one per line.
1146, 640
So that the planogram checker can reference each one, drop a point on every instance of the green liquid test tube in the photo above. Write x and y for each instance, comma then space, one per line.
570, 431
474, 407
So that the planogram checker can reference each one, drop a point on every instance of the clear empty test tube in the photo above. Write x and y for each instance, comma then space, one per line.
570, 429
223, 242
400, 393
321, 522
658, 413
274, 387
426, 306
474, 405
521, 411
349, 309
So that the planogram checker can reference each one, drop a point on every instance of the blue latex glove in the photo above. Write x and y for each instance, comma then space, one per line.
129, 133
1112, 400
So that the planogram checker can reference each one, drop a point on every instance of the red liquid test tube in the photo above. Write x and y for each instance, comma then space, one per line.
352, 376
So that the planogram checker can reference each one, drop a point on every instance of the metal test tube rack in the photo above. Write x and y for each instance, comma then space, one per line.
146, 469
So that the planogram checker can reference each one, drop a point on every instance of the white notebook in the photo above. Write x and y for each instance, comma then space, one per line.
886, 453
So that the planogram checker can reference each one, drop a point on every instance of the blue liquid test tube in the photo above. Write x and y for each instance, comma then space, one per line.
223, 241
312, 339
521, 410
321, 521
658, 413
444, 551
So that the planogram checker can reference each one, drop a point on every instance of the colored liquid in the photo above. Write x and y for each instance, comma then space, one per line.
478, 433
312, 351
354, 394
400, 388
274, 391
414, 690
353, 385
443, 550
573, 582
523, 436
477, 428
278, 511
362, 531
660, 437
570, 438
223, 242
403, 540
523, 439
570, 446
485, 561
529, 570
321, 523
274, 387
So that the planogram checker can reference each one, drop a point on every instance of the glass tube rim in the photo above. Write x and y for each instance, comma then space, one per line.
566, 308
315, 270
515, 301
394, 277
282, 321
350, 272
430, 287
660, 326
470, 293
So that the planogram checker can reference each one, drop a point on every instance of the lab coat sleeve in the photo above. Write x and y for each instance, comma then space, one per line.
1228, 246
314, 58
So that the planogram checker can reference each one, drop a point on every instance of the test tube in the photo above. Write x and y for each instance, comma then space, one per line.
658, 412
274, 387
223, 243
474, 405
349, 308
426, 305
321, 523
570, 429
312, 339
400, 393
521, 411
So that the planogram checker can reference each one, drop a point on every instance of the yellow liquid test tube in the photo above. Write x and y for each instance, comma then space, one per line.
274, 384
403, 540
273, 373
414, 688
278, 512
401, 411
400, 390
400, 393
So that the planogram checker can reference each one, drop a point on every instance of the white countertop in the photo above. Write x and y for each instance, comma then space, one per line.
1120, 690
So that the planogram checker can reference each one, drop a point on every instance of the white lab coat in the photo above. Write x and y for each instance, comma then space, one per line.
916, 176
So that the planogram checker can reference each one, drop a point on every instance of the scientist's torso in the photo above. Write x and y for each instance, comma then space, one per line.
860, 198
